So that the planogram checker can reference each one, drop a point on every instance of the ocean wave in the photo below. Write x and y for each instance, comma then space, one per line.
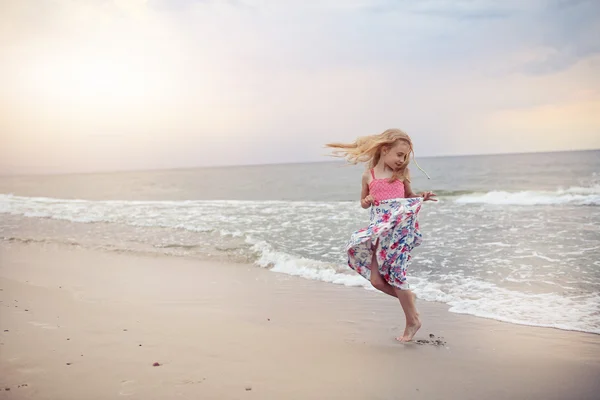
472, 296
90, 211
28, 240
276, 261
578, 196
295, 238
464, 295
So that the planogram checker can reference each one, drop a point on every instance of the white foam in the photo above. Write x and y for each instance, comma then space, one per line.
498, 244
575, 196
235, 234
594, 189
471, 296
464, 295
303, 267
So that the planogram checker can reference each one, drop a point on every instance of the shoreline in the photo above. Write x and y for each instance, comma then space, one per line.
296, 274
86, 324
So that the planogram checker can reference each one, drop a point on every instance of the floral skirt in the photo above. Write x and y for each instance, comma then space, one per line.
394, 229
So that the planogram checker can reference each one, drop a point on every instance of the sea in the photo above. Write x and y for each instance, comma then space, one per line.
514, 238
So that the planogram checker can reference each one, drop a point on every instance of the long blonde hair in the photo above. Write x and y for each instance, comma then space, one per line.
367, 149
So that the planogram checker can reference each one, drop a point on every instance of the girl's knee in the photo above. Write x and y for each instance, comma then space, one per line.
378, 284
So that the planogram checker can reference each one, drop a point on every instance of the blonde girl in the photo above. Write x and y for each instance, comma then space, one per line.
381, 251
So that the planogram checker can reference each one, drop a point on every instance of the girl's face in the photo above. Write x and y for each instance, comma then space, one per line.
395, 155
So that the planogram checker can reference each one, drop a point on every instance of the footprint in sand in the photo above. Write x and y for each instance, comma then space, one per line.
433, 340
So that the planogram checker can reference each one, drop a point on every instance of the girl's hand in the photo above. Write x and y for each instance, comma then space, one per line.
367, 201
428, 196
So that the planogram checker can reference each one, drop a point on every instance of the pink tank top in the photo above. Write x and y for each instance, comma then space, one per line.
382, 189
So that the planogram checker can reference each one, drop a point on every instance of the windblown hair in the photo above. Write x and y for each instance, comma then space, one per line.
367, 149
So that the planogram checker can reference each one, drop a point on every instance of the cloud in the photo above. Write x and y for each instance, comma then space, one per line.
569, 33
181, 82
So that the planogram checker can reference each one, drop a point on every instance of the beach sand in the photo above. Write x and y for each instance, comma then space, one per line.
84, 324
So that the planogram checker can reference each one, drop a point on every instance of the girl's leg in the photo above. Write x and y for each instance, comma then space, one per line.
377, 280
406, 297
413, 323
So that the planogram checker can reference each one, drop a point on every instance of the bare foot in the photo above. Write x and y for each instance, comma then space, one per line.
410, 331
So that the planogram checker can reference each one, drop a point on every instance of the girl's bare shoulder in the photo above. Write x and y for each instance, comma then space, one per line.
366, 176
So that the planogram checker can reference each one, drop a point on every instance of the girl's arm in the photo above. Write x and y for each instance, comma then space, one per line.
408, 192
365, 198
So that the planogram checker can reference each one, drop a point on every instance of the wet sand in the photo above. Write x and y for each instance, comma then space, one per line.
84, 324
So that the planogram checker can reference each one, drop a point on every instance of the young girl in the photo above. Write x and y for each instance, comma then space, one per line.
381, 251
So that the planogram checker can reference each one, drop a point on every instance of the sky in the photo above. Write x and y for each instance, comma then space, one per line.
94, 85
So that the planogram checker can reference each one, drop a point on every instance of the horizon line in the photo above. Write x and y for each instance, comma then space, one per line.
277, 163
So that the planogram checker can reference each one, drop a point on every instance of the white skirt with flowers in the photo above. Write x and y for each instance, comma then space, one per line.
394, 229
